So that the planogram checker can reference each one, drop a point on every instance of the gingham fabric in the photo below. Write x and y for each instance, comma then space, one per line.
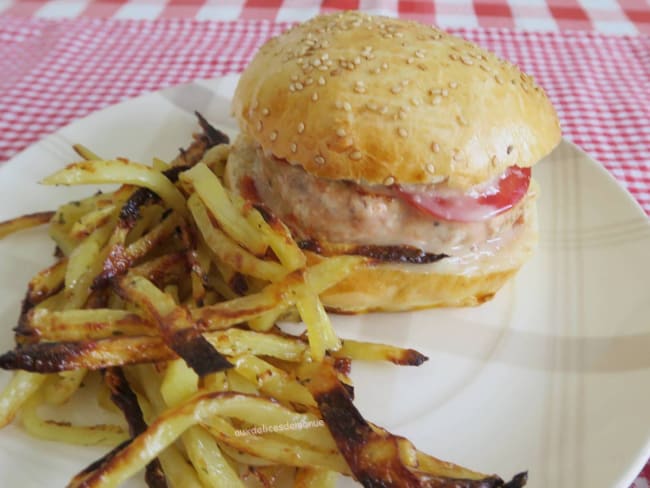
53, 71
606, 16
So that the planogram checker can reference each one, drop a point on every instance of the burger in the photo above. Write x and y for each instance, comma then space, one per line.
394, 140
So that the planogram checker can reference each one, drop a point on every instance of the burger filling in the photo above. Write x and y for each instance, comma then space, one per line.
433, 217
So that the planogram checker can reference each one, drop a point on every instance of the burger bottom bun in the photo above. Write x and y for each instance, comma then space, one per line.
389, 287
384, 288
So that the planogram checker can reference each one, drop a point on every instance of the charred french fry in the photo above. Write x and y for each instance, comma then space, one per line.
24, 222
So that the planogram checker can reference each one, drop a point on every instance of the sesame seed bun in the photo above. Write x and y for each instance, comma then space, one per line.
379, 100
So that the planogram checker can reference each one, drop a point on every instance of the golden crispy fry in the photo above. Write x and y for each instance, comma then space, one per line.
277, 235
84, 152
79, 325
227, 250
271, 380
24, 222
95, 435
120, 171
89, 222
368, 351
22, 386
60, 387
215, 198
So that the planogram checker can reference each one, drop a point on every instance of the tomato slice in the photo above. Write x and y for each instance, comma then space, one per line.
480, 203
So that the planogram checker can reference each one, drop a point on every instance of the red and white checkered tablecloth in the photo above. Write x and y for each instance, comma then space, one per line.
63, 59
605, 16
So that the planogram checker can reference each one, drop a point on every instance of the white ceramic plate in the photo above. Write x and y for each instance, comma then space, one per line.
552, 376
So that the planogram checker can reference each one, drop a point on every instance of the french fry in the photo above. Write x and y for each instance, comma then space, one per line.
95, 435
271, 380
368, 351
175, 324
79, 325
24, 222
63, 385
84, 264
227, 250
21, 386
215, 198
84, 152
277, 235
120, 171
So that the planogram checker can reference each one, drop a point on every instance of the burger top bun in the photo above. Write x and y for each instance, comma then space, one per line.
379, 100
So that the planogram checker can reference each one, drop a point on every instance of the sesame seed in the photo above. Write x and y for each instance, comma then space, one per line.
483, 67
294, 147
259, 126
299, 86
415, 101
509, 149
389, 181
383, 110
316, 62
355, 155
325, 57
292, 87
338, 104
444, 92
294, 77
376, 71
321, 81
314, 96
401, 114
430, 168
467, 60
340, 132
396, 89
461, 120
319, 160
301, 128
436, 100
265, 111
309, 81
405, 82
410, 61
360, 89
274, 135
323, 68
357, 60
372, 106
402, 132
435, 147
346, 106
453, 57
419, 54
453, 84
384, 66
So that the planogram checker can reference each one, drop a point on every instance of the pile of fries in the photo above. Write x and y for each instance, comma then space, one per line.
167, 292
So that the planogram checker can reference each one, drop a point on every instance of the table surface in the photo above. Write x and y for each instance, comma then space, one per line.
63, 59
